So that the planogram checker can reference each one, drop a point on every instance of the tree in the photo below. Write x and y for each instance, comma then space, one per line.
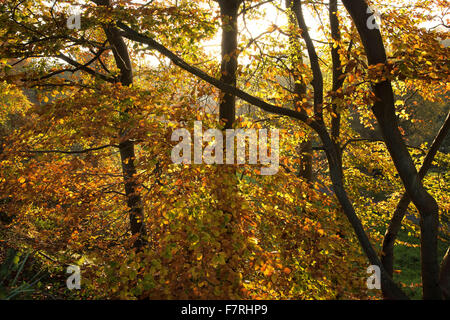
384, 111
211, 227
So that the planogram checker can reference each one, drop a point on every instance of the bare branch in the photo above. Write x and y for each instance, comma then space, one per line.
71, 152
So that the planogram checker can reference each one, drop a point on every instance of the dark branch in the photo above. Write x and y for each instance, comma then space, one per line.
71, 152
85, 68
135, 36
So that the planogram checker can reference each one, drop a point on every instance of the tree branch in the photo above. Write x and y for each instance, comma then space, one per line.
317, 81
135, 36
71, 152
85, 68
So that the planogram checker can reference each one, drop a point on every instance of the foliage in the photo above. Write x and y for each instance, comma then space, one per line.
213, 231
10, 271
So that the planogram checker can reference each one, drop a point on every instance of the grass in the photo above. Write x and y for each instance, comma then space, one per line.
407, 259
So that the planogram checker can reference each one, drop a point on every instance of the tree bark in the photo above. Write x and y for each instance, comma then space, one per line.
127, 146
305, 147
387, 257
337, 177
384, 111
229, 12
338, 75
331, 146
305, 169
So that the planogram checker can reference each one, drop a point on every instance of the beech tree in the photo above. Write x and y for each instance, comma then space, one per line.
220, 231
384, 111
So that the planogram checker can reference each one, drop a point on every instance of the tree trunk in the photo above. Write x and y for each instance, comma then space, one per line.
387, 257
229, 11
384, 111
331, 144
305, 169
338, 75
127, 147
304, 148
335, 166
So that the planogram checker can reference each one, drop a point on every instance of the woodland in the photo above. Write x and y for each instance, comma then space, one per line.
92, 92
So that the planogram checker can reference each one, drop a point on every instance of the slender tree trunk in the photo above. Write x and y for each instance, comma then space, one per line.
304, 148
229, 11
227, 189
127, 146
384, 111
337, 177
305, 169
331, 144
338, 75
134, 201
387, 257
